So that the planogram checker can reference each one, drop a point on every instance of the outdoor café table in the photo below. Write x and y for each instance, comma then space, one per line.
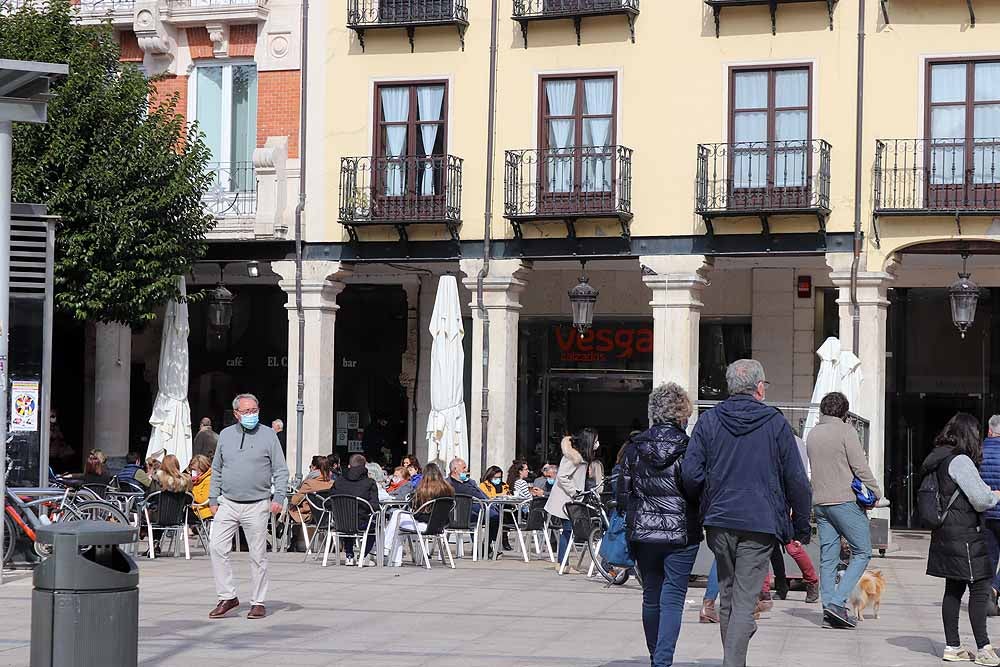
383, 516
503, 504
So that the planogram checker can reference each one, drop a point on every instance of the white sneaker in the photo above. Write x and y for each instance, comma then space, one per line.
957, 654
349, 561
369, 562
987, 656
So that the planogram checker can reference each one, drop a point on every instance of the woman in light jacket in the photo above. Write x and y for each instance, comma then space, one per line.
571, 480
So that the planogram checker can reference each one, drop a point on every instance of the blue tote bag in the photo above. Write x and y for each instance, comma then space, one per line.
614, 545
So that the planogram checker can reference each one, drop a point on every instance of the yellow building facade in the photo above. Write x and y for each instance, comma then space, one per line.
700, 158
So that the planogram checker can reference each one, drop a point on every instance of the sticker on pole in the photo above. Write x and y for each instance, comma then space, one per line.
24, 405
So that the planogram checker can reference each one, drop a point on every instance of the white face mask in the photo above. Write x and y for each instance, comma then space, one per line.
597, 444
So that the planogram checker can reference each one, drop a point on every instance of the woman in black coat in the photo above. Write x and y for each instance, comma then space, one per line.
662, 527
958, 552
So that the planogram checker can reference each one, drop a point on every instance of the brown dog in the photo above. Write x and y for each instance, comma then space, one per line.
868, 592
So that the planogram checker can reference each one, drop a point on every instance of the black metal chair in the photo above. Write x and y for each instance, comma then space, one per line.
461, 523
347, 515
438, 513
171, 509
584, 519
537, 521
319, 519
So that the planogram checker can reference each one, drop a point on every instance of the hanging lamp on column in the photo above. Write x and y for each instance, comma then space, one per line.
964, 297
582, 299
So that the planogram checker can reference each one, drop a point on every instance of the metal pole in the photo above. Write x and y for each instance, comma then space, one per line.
6, 166
47, 314
484, 313
858, 147
300, 406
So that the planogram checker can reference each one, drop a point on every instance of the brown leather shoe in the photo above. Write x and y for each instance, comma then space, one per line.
257, 611
708, 613
224, 607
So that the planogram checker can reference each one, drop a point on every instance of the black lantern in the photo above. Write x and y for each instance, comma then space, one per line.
582, 299
220, 308
964, 296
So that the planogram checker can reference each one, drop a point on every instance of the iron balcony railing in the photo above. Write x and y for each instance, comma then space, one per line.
233, 192
763, 177
217, 3
948, 175
571, 182
545, 8
400, 190
361, 13
106, 6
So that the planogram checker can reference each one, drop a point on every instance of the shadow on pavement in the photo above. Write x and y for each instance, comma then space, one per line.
917, 644
644, 662
814, 617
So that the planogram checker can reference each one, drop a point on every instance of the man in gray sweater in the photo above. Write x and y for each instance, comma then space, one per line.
836, 458
249, 478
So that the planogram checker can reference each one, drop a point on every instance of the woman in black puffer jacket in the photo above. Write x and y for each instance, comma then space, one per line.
662, 527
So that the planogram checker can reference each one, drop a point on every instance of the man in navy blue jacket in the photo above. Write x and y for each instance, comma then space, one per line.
989, 469
743, 464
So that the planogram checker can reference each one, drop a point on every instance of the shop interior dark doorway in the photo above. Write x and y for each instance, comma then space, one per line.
932, 373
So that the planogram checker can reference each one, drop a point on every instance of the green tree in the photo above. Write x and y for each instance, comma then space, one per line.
125, 176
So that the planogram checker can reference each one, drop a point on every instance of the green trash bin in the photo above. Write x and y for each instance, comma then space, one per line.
85, 603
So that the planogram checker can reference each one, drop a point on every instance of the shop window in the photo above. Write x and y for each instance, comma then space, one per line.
720, 344
770, 128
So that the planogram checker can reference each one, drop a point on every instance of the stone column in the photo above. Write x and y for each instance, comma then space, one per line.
408, 373
676, 282
501, 294
873, 301
112, 388
321, 283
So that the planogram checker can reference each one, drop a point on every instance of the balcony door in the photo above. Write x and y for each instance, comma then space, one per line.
576, 161
223, 100
769, 129
410, 162
963, 126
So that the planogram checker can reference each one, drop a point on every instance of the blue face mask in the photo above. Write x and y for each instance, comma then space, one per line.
550, 481
249, 422
463, 476
497, 480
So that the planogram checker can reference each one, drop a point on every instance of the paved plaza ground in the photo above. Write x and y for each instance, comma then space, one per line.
505, 614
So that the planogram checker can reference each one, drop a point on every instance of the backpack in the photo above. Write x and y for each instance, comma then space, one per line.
929, 509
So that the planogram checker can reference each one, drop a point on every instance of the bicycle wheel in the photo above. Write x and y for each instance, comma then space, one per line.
99, 510
612, 574
53, 515
9, 538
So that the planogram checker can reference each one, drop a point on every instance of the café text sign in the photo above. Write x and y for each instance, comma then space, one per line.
617, 345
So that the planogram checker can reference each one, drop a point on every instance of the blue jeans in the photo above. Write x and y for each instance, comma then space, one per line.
665, 571
565, 537
845, 520
992, 534
712, 587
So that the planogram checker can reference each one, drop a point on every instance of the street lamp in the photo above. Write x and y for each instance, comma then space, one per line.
220, 308
582, 299
964, 296
253, 269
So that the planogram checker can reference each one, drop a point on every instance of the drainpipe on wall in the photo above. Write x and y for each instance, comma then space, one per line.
858, 141
484, 314
299, 311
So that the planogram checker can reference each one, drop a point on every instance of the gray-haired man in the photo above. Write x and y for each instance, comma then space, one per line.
990, 471
248, 464
743, 463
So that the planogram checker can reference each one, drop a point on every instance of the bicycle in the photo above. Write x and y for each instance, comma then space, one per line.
615, 575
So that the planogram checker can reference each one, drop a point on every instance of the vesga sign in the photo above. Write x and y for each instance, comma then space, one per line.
628, 346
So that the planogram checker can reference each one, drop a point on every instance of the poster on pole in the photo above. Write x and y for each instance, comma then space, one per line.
24, 405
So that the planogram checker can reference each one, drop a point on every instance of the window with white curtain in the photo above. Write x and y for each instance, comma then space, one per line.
223, 99
410, 141
770, 111
963, 122
578, 133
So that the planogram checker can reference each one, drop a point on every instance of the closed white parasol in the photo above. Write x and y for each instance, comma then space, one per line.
171, 418
447, 435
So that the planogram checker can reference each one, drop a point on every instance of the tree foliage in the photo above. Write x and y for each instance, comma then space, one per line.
125, 176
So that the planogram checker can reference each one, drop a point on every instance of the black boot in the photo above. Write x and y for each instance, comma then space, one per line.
780, 588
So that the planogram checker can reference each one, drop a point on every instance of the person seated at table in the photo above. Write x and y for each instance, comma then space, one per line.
459, 479
95, 470
298, 506
169, 477
134, 471
152, 465
200, 469
432, 486
400, 476
492, 483
517, 480
314, 468
545, 483
411, 463
357, 483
